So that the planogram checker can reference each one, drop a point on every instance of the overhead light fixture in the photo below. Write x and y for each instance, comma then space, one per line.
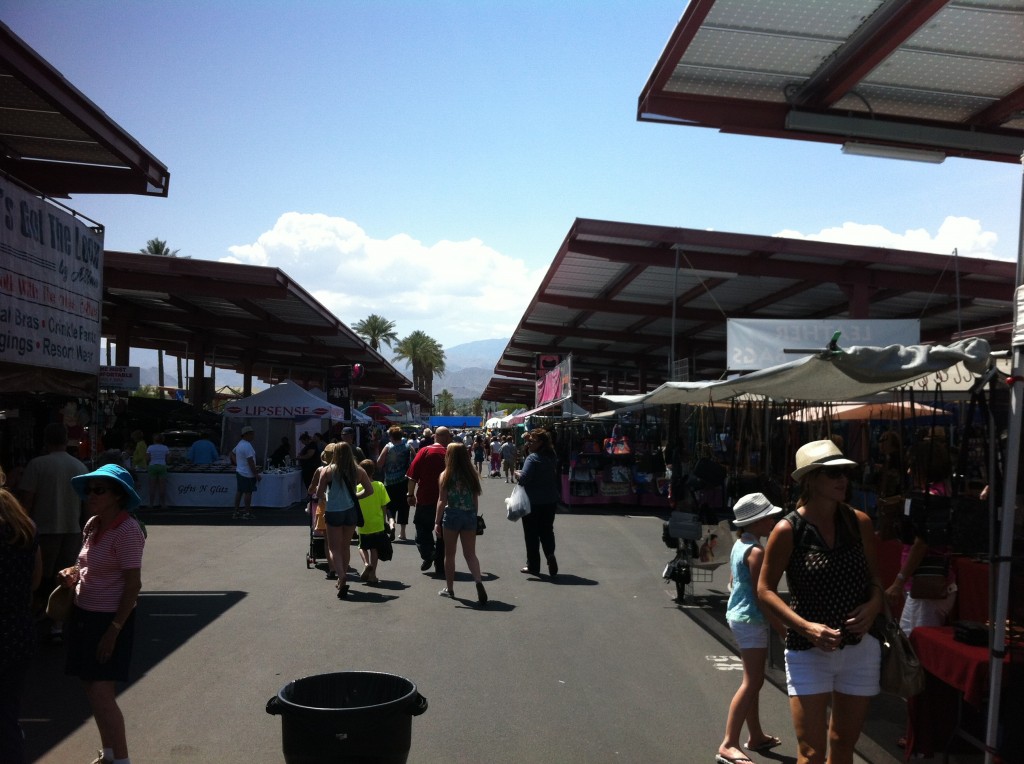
893, 152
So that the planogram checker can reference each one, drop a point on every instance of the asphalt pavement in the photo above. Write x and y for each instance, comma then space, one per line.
599, 665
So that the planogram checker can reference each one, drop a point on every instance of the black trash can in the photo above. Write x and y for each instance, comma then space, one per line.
354, 717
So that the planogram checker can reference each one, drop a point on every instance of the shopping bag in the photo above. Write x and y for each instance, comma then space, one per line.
518, 504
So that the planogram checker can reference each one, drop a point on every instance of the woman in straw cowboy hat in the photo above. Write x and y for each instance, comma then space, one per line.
827, 551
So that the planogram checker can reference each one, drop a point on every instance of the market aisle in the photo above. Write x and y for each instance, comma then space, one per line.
601, 666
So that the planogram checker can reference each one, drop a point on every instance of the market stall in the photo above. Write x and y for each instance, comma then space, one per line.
214, 486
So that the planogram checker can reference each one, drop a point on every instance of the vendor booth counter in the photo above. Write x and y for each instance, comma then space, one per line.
214, 486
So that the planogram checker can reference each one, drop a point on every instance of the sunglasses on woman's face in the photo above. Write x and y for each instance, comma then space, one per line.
99, 490
834, 473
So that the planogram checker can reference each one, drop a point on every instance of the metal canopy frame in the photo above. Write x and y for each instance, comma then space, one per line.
912, 73
614, 299
242, 317
58, 142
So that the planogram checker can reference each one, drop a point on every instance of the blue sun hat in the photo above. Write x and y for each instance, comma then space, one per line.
109, 472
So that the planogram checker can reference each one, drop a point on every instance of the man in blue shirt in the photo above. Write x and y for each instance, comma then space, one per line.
203, 451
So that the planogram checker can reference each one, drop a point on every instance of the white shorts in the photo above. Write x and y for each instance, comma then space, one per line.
926, 612
750, 636
854, 670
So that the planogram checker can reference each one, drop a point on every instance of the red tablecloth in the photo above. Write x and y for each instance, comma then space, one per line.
952, 667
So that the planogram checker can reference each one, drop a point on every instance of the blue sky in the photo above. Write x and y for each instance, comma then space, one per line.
424, 160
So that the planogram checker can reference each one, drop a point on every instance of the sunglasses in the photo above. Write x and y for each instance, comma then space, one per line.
99, 490
834, 473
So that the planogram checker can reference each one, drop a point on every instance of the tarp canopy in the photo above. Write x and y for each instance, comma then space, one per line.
840, 375
569, 409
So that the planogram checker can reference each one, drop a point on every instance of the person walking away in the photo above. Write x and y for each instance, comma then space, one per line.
21, 570
827, 551
338, 484
393, 462
755, 517
458, 504
156, 470
46, 494
107, 580
478, 454
373, 530
422, 477
508, 459
247, 477
348, 434
495, 457
543, 485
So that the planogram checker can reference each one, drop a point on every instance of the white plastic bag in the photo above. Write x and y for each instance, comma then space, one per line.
518, 504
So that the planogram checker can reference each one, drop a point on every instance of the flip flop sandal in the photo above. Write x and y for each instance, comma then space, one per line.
769, 743
720, 759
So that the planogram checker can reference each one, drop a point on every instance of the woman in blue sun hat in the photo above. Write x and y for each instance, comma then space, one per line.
107, 580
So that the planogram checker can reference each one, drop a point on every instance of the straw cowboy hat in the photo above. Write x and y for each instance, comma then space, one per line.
753, 507
819, 453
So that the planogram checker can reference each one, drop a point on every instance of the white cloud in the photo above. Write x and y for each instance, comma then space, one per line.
455, 291
960, 233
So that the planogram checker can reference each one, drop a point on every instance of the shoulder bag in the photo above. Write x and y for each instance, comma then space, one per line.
58, 606
902, 673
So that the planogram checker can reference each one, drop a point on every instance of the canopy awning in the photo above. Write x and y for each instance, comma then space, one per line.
828, 376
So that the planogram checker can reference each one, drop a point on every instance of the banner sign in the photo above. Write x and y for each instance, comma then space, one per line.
119, 378
51, 285
338, 386
555, 385
757, 343
277, 411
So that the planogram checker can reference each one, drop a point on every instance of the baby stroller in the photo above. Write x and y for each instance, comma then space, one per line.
317, 533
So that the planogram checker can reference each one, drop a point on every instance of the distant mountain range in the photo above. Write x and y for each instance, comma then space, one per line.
468, 368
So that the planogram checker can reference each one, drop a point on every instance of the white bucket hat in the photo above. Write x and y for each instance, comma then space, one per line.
819, 453
753, 507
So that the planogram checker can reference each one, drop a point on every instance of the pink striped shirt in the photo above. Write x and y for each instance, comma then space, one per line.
103, 560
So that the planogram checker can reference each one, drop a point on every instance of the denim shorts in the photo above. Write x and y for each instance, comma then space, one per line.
244, 484
338, 518
854, 670
750, 636
458, 520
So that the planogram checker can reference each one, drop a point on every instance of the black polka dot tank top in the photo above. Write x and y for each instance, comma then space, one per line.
826, 583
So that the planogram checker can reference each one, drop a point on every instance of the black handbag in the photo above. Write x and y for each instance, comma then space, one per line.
480, 525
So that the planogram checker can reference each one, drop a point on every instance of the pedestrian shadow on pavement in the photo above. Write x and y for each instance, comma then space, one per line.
54, 705
563, 579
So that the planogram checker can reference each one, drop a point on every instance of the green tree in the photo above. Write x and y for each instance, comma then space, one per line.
159, 248
375, 330
446, 403
426, 357
477, 408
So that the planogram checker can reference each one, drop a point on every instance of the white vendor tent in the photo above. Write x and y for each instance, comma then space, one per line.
284, 410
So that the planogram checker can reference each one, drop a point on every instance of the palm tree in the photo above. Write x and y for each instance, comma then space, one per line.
375, 330
425, 355
159, 248
445, 403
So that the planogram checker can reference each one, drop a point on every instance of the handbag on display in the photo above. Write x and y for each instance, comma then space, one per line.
58, 606
902, 673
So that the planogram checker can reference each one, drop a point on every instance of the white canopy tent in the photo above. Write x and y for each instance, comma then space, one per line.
285, 410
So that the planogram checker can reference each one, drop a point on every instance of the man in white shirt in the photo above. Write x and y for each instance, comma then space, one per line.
246, 477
